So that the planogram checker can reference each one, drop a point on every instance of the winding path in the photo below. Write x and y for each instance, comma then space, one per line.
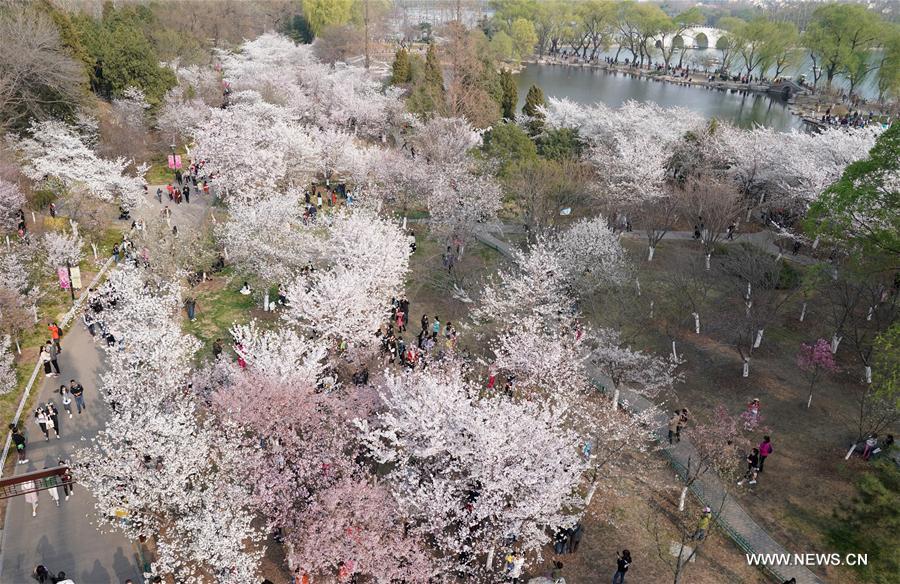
733, 519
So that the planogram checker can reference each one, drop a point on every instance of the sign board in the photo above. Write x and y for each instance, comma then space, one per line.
172, 161
178, 161
76, 277
63, 277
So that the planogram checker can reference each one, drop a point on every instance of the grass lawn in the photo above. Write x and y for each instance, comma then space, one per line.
219, 305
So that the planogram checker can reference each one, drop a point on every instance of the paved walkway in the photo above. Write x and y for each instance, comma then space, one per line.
764, 240
733, 518
184, 214
63, 538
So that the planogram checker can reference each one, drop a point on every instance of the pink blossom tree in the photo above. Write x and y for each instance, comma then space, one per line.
813, 360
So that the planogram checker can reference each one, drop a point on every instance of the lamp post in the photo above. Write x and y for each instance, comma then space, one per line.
71, 286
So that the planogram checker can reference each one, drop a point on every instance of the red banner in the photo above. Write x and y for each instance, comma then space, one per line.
172, 161
178, 161
63, 277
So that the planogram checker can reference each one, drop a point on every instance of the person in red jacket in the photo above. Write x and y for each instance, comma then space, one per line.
54, 335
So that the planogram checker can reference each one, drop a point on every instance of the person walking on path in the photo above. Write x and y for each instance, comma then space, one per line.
54, 354
53, 492
765, 449
66, 398
40, 416
19, 440
623, 562
62, 579
702, 525
674, 421
48, 361
54, 335
66, 478
77, 391
871, 445
682, 423
53, 415
31, 496
752, 467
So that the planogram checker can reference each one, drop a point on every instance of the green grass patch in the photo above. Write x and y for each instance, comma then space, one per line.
219, 305
160, 174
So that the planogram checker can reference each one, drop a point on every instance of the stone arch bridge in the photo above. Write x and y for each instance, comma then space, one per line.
698, 37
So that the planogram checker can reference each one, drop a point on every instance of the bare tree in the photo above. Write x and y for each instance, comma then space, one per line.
718, 449
543, 188
762, 287
38, 79
714, 207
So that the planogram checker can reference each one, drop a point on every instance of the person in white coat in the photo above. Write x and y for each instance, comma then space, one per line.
31, 496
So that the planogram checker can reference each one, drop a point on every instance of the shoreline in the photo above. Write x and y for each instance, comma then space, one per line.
800, 103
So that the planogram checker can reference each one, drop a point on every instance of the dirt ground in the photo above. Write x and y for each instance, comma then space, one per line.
807, 476
624, 523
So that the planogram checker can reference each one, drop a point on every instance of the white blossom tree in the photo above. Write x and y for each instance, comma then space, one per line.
7, 366
366, 259
54, 151
475, 472
63, 249
11, 201
168, 470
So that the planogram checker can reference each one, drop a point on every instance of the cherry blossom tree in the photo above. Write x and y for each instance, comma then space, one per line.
170, 471
62, 249
366, 260
180, 115
813, 360
645, 373
281, 353
461, 197
8, 380
445, 140
475, 472
54, 151
591, 255
11, 201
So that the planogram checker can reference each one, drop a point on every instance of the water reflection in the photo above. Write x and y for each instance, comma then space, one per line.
589, 85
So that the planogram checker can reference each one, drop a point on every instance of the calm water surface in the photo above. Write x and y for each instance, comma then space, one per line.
588, 86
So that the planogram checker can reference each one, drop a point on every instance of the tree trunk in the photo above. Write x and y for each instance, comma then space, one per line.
266, 301
18, 348
638, 284
590, 495
707, 260
651, 309
809, 401
868, 374
682, 498
815, 242
746, 372
803, 312
674, 353
7, 242
759, 336
850, 452
835, 341
615, 399
871, 313
94, 248
696, 323
490, 559
650, 253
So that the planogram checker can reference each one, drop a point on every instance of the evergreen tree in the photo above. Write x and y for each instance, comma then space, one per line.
510, 95
402, 72
870, 522
534, 99
428, 95
434, 78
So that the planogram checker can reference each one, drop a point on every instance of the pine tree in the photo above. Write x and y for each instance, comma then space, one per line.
402, 72
434, 78
534, 99
510, 95
428, 95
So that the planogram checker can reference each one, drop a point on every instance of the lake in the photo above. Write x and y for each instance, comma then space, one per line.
589, 85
